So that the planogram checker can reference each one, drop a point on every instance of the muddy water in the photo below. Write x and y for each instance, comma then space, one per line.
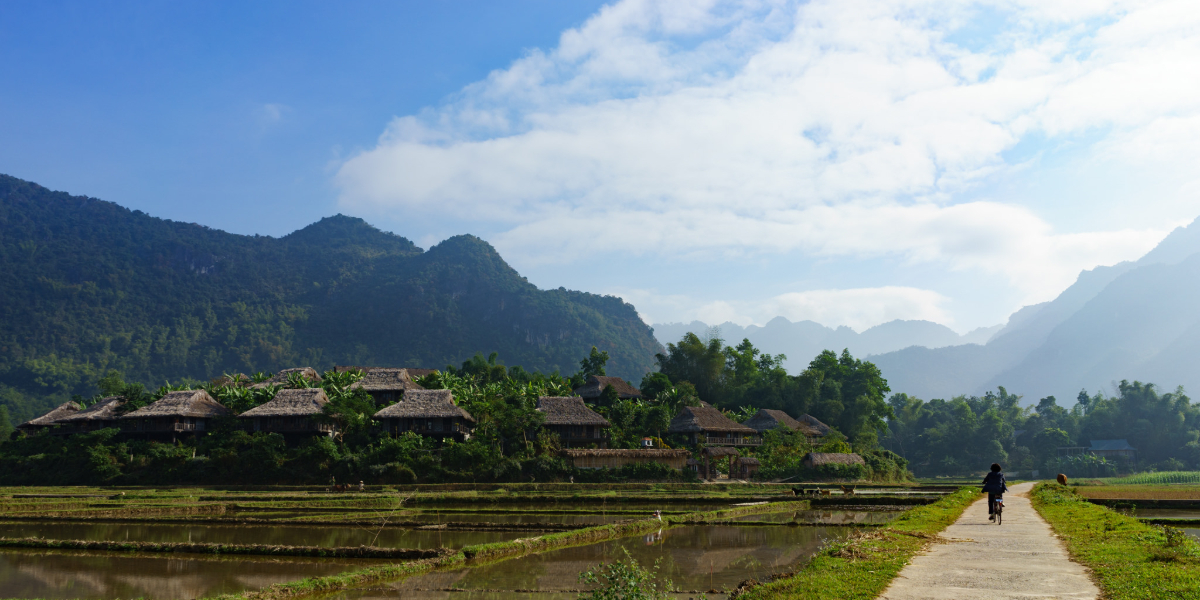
1165, 513
37, 574
693, 558
833, 517
350, 535
1193, 532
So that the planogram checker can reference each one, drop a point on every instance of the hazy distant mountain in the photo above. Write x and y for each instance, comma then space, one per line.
803, 340
1135, 320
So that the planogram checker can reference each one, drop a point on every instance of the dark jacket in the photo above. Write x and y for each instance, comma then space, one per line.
994, 483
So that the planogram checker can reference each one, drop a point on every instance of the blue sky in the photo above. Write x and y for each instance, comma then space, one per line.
847, 161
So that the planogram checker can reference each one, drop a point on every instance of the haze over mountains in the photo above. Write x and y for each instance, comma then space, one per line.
1134, 320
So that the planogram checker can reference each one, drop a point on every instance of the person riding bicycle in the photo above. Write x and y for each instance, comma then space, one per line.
994, 485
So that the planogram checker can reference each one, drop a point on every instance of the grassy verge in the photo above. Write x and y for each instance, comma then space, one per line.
862, 566
1131, 560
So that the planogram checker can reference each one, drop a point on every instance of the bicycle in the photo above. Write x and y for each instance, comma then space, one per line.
999, 509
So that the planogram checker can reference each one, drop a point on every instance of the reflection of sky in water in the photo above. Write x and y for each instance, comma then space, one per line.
1192, 532
61, 575
349, 535
1164, 513
693, 558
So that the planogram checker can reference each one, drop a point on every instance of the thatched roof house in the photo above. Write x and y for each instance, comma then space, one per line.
186, 411
817, 459
707, 425
766, 420
573, 421
386, 385
595, 384
593, 458
51, 418
428, 412
291, 411
413, 372
95, 417
281, 378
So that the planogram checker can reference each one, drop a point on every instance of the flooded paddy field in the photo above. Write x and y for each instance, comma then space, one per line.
694, 558
831, 517
102, 576
291, 535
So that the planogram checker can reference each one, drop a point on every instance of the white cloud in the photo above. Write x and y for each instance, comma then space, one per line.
845, 128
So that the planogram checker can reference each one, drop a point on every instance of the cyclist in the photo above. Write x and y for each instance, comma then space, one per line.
994, 485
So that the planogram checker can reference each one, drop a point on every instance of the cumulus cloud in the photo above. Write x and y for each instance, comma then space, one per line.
847, 128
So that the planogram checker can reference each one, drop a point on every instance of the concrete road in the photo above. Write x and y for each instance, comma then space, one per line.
1022, 558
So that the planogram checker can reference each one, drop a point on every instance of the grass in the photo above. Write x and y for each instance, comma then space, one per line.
1130, 560
861, 567
1164, 477
1141, 491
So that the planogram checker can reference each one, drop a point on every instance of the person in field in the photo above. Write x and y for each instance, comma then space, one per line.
994, 486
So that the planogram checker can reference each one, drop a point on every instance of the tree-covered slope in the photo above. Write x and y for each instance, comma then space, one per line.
87, 286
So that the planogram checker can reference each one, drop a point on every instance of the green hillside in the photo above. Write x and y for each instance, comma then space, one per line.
87, 286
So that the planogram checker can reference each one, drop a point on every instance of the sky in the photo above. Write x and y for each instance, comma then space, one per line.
849, 162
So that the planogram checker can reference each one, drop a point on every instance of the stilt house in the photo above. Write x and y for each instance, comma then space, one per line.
575, 423
186, 411
100, 415
708, 426
766, 420
281, 378
430, 413
595, 384
290, 412
50, 419
386, 386
593, 458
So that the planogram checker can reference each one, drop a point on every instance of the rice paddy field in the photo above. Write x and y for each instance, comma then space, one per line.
104, 543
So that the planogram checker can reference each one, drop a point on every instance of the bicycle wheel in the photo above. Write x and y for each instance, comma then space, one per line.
999, 515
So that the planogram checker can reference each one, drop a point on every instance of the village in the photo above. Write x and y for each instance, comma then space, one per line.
406, 406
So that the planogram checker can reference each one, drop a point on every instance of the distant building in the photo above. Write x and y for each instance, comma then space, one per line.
595, 384
186, 411
709, 426
593, 458
1113, 449
281, 378
101, 415
813, 460
575, 423
386, 385
431, 413
291, 412
50, 419
766, 420
414, 373
745, 467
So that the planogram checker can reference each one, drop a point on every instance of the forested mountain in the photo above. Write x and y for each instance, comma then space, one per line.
87, 286
802, 340
1132, 321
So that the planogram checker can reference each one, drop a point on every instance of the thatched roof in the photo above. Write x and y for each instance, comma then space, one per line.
104, 410
291, 403
697, 419
645, 453
386, 380
812, 421
595, 386
413, 373
719, 451
281, 377
186, 403
569, 410
59, 413
747, 460
766, 420
425, 404
832, 458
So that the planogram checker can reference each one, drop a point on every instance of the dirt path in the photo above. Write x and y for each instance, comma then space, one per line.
1020, 559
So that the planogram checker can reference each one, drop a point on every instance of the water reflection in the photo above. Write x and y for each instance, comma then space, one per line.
693, 558
832, 517
31, 574
290, 535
